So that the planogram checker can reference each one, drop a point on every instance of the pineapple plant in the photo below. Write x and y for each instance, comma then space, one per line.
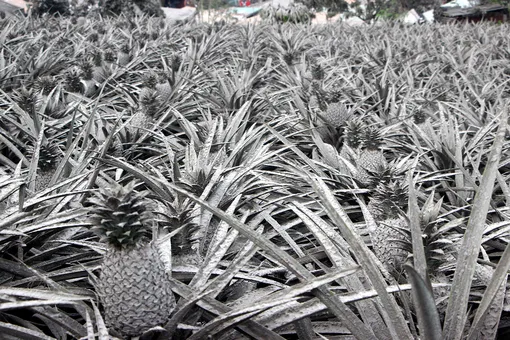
89, 83
174, 62
370, 156
51, 6
73, 81
184, 244
163, 86
149, 105
390, 236
50, 156
48, 97
124, 55
317, 71
352, 139
27, 100
134, 286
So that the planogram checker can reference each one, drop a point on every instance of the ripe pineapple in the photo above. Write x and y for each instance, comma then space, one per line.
134, 285
390, 238
370, 156
149, 105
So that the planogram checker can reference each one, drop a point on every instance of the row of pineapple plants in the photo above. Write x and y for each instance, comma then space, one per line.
260, 181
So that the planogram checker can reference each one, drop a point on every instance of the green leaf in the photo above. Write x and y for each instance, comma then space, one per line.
471, 242
428, 317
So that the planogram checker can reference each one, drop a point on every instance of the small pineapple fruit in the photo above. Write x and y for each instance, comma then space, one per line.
134, 285
73, 81
99, 73
390, 237
370, 156
124, 55
110, 57
149, 105
336, 114
49, 158
45, 85
89, 83
163, 87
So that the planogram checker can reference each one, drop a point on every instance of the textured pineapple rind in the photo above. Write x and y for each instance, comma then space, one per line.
385, 242
135, 290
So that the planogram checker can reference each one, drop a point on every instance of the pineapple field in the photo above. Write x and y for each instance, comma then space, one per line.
266, 181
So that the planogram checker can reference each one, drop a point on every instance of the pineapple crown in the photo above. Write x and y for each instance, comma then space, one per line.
119, 216
390, 199
45, 84
437, 245
174, 61
73, 80
180, 216
125, 48
383, 174
163, 77
354, 132
334, 96
109, 55
150, 80
150, 101
26, 99
372, 139
317, 71
97, 58
87, 70
419, 117
49, 154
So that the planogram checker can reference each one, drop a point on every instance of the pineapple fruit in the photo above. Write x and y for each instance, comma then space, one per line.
149, 105
390, 236
48, 97
370, 157
89, 84
134, 286
124, 55
336, 114
49, 158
